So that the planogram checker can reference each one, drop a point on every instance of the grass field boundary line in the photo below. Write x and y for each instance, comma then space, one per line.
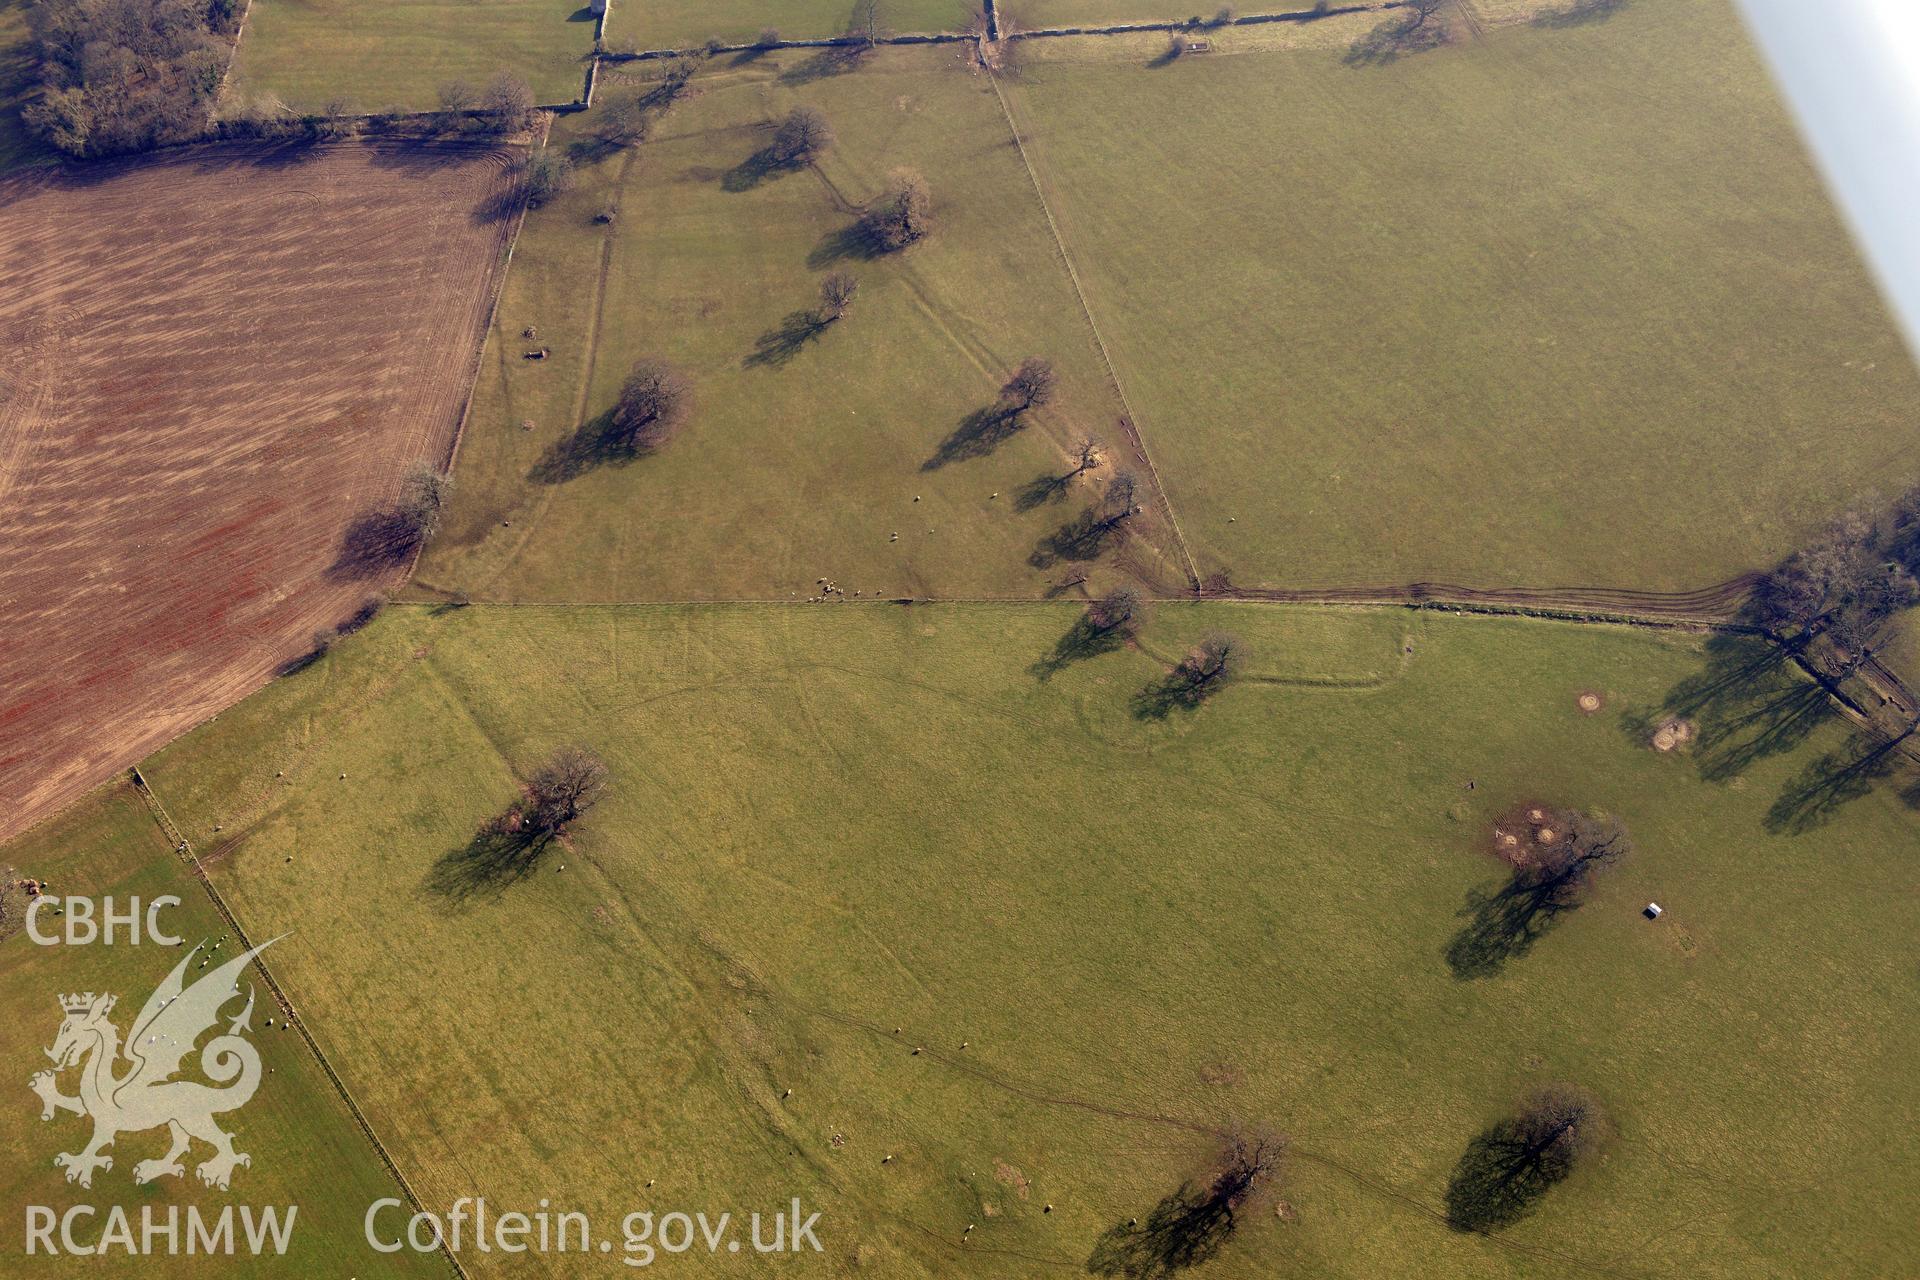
183, 847
497, 289
1187, 24
593, 63
233, 56
1687, 611
960, 37
1132, 422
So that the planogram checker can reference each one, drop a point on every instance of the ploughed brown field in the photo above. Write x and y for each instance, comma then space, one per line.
211, 366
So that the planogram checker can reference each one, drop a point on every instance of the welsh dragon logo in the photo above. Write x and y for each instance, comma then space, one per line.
131, 1087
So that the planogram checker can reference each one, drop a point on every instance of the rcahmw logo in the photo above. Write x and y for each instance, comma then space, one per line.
128, 1087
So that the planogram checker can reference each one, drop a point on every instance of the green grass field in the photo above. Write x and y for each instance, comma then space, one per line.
679, 24
831, 824
398, 54
1662, 366
1568, 306
805, 464
946, 927
306, 1149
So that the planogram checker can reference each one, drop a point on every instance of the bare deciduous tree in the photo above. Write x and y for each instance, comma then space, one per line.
1555, 871
509, 101
1190, 1227
1248, 1161
837, 292
423, 499
801, 137
570, 782
457, 97
1215, 660
901, 214
1905, 529
1115, 611
653, 401
1419, 11
1558, 1125
1031, 385
671, 86
1848, 585
1086, 456
623, 122
1518, 1160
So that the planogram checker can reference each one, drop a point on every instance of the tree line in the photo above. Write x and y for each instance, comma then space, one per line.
1839, 598
125, 75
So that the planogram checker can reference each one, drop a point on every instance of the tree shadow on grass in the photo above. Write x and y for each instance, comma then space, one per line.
854, 242
375, 544
1085, 537
1041, 490
1084, 639
979, 434
486, 866
1393, 39
1750, 702
757, 168
834, 60
1580, 13
1497, 1182
1181, 1232
1183, 689
1833, 781
778, 346
592, 150
500, 206
300, 662
1502, 925
595, 444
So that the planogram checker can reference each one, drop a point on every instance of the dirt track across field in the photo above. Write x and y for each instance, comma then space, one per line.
212, 364
1713, 604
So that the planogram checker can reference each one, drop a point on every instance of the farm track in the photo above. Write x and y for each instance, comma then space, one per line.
1713, 605
1131, 421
